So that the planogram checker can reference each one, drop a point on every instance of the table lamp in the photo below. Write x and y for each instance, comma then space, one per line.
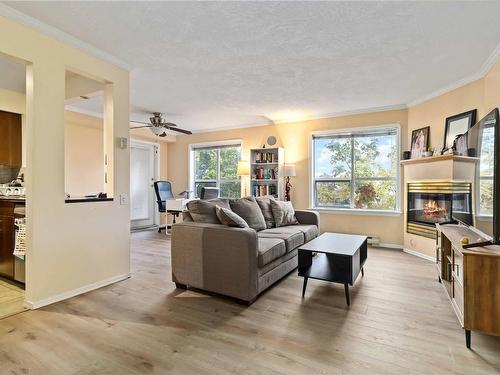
288, 171
243, 170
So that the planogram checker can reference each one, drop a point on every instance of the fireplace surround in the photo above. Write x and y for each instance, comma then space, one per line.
437, 202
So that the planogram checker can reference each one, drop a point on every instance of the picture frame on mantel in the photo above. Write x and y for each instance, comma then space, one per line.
456, 125
419, 142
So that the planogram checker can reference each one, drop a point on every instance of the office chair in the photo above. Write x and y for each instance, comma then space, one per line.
209, 193
163, 190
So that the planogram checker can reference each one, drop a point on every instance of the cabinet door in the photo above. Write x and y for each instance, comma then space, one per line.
10, 139
7, 242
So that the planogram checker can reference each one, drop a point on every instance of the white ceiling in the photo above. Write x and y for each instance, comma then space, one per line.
216, 65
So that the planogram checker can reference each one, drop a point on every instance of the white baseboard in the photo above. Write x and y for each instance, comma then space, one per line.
420, 255
75, 292
388, 245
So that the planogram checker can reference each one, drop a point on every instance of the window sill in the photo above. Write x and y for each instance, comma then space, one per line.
348, 211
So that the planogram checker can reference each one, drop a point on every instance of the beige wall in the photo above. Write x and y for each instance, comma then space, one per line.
483, 95
71, 247
15, 102
295, 138
12, 101
84, 154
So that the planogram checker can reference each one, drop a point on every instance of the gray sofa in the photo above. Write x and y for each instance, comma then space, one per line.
237, 262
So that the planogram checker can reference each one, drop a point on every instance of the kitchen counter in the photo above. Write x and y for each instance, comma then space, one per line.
12, 198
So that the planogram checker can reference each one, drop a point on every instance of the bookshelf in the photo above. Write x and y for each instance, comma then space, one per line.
266, 172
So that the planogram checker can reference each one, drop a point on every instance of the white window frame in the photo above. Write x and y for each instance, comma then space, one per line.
348, 131
194, 146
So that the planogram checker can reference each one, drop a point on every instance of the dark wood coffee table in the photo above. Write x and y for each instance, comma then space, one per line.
340, 258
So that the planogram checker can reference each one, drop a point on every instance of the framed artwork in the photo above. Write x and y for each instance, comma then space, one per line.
419, 142
456, 125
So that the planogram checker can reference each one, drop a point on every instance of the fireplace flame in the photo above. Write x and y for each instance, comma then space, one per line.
432, 207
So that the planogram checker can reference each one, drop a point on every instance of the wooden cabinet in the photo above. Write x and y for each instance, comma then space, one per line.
7, 238
471, 278
10, 139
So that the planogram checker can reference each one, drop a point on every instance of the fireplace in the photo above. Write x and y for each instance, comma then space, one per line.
432, 202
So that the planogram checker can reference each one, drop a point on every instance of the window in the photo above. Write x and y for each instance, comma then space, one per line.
486, 166
357, 170
215, 166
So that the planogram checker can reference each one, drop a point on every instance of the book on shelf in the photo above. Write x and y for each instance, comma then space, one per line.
260, 190
266, 157
265, 173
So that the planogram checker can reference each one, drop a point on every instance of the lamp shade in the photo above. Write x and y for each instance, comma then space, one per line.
289, 170
243, 168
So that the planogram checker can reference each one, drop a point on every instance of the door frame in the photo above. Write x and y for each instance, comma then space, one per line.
156, 177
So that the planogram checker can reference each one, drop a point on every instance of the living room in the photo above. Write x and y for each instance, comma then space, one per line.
341, 235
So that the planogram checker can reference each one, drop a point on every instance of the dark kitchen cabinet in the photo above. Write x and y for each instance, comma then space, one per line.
7, 242
10, 139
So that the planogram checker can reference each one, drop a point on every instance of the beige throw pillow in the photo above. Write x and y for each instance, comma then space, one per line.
283, 213
265, 207
203, 211
229, 218
248, 209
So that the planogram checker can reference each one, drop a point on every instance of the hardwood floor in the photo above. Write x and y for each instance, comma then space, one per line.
399, 322
11, 299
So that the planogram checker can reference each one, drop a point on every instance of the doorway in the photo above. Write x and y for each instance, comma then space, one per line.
12, 187
144, 171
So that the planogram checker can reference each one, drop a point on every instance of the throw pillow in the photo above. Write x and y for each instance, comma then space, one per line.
265, 207
283, 213
229, 218
248, 209
203, 211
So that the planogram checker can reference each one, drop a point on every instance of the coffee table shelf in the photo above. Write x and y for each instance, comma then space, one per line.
339, 259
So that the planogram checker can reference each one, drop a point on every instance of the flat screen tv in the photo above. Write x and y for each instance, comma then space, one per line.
483, 141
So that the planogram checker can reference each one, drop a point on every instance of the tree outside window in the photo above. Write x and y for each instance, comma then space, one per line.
486, 166
216, 167
357, 170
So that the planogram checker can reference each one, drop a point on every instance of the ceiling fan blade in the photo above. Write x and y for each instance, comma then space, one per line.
180, 130
140, 122
138, 127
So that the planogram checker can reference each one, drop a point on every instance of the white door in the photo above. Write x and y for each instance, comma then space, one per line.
142, 175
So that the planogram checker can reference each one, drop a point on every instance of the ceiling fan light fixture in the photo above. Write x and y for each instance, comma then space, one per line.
157, 130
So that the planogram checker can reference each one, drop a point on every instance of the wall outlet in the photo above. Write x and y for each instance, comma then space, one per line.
123, 199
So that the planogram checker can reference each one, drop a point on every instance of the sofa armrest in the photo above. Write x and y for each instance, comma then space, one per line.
216, 258
307, 217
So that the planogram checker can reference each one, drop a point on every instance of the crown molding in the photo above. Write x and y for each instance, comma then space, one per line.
308, 118
485, 68
61, 36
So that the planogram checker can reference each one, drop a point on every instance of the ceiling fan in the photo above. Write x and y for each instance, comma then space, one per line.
158, 125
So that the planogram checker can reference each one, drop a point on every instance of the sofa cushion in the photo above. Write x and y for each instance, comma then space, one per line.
283, 213
229, 218
293, 237
310, 231
249, 210
265, 206
269, 250
203, 211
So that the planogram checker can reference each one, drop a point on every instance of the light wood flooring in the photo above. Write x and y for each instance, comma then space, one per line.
11, 299
399, 322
